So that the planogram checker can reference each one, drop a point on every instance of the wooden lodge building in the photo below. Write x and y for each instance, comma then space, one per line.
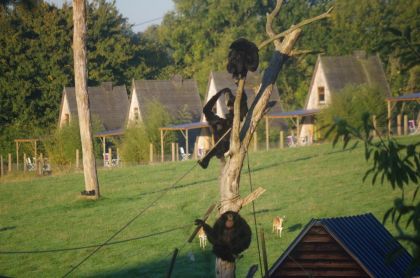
108, 104
180, 97
354, 246
332, 74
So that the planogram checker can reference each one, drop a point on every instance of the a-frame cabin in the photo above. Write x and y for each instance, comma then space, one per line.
354, 246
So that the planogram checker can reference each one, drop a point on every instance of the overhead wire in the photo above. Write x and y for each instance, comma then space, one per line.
129, 222
254, 215
91, 246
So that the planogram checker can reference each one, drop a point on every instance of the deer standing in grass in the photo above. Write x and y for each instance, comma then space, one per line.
278, 224
202, 237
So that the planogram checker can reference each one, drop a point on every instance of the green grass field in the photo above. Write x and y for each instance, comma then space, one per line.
48, 213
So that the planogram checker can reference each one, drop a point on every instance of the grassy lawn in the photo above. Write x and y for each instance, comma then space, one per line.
47, 213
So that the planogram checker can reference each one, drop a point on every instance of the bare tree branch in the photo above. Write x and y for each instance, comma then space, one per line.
269, 23
299, 25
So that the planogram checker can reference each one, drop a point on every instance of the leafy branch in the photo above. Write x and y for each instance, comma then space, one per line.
397, 163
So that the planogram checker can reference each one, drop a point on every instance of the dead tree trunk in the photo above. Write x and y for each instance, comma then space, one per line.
82, 99
241, 135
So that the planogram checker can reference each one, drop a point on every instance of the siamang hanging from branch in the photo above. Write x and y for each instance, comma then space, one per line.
220, 126
230, 235
243, 57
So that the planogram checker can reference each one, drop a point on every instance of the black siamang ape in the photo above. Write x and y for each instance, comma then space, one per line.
220, 125
243, 57
229, 236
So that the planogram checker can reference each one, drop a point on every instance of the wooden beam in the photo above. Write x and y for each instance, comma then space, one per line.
186, 142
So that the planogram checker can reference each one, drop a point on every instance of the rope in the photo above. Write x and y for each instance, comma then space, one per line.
256, 229
129, 222
255, 217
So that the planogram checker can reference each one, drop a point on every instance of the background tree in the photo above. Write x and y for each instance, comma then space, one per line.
397, 164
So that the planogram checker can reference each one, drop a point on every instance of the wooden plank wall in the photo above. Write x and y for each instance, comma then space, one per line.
318, 254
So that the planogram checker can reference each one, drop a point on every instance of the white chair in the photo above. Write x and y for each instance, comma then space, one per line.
107, 160
411, 126
30, 166
291, 141
184, 156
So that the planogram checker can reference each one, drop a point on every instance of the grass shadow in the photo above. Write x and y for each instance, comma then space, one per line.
199, 265
6, 229
296, 227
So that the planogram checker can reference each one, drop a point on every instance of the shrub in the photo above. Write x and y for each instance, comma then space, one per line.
135, 145
351, 103
62, 143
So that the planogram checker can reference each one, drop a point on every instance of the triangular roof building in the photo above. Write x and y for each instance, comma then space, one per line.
353, 246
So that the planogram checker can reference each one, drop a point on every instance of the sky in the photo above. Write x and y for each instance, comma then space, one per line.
142, 13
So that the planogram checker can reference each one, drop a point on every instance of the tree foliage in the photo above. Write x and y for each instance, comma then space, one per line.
394, 163
36, 61
36, 57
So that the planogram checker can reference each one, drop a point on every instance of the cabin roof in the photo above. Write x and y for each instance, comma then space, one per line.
354, 69
365, 239
108, 103
175, 95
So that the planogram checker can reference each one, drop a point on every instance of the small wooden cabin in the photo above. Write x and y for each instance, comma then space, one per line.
354, 246
180, 97
107, 103
333, 73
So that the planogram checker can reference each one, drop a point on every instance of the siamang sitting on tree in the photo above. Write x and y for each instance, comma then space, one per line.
243, 57
220, 126
229, 236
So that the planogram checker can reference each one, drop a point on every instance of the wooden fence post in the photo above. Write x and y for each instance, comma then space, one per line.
77, 159
40, 164
1, 166
399, 124
281, 145
405, 124
151, 153
264, 252
24, 162
110, 157
173, 151
374, 133
9, 162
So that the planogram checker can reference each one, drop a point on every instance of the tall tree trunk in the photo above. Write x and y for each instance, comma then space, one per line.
241, 135
80, 79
